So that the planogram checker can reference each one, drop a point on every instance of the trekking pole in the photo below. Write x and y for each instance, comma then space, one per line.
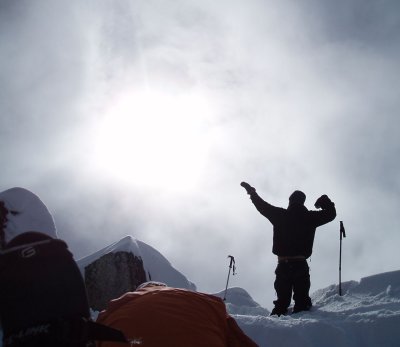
342, 234
231, 266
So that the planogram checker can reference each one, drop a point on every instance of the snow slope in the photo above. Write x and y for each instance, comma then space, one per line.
26, 212
239, 302
368, 314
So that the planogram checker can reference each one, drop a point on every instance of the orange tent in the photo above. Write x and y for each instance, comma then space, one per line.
157, 316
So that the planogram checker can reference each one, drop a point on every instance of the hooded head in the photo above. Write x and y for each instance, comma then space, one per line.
297, 198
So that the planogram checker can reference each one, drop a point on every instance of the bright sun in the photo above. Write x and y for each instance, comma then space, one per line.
154, 139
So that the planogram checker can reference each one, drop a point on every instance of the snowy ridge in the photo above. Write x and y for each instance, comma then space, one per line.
26, 212
239, 302
156, 266
127, 244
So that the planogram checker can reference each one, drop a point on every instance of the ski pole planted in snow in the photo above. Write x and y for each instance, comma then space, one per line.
342, 234
231, 266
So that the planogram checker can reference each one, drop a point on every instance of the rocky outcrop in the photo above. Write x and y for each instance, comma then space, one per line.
112, 275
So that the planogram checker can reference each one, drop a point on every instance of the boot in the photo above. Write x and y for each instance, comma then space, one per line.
277, 311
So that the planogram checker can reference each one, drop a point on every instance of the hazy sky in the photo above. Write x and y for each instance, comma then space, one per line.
142, 117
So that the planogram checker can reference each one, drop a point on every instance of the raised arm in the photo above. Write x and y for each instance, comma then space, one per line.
327, 212
267, 210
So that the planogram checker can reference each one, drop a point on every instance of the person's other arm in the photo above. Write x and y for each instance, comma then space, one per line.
327, 212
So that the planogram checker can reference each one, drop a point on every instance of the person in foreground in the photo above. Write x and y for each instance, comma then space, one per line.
293, 237
156, 315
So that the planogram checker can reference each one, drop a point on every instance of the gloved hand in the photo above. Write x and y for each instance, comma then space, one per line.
323, 202
249, 189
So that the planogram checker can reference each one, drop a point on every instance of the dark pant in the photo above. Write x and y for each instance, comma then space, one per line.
292, 276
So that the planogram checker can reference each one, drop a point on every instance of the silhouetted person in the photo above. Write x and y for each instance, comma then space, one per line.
293, 237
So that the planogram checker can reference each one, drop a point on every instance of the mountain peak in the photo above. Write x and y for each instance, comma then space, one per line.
156, 266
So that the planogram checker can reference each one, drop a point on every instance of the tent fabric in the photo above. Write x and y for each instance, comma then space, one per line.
165, 316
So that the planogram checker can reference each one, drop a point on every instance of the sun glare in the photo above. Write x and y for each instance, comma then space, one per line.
153, 139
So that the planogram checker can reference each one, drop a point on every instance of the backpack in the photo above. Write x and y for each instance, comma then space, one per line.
43, 299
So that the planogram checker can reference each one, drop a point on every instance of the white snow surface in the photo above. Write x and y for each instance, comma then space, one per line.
367, 314
27, 212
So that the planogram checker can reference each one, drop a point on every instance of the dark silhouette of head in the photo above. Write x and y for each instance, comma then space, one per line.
297, 198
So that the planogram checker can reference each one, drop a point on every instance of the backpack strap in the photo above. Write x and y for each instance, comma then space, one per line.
77, 332
3, 222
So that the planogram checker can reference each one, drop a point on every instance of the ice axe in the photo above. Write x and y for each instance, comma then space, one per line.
342, 234
231, 266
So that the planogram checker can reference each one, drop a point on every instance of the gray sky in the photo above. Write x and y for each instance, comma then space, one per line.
142, 117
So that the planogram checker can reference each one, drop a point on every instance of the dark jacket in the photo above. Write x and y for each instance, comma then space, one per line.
294, 227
